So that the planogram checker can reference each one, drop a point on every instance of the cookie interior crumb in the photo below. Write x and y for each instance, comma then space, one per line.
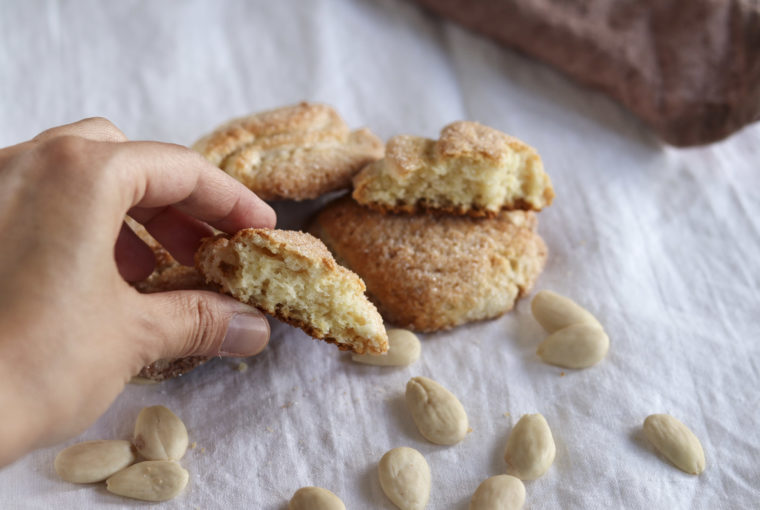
293, 276
471, 169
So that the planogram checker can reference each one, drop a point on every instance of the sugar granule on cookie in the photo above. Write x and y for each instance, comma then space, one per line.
471, 169
292, 276
295, 152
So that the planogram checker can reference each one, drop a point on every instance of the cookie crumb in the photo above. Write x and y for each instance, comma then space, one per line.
562, 374
242, 366
193, 445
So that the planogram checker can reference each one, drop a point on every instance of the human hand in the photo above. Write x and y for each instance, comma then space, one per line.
72, 330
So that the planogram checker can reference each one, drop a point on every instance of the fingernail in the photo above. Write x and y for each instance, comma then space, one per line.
247, 334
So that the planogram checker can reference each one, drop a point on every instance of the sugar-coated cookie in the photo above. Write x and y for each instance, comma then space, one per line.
296, 152
429, 273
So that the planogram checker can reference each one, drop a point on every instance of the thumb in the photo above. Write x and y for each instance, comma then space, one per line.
199, 323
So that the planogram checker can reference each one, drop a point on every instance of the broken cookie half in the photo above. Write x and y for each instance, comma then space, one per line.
292, 276
471, 169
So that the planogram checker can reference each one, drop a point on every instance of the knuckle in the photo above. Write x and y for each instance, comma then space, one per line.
106, 127
44, 135
206, 327
193, 157
66, 152
93, 128
176, 324
49, 134
99, 122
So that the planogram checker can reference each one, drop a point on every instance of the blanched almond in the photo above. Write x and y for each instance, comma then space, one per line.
530, 448
93, 461
555, 312
405, 478
502, 492
315, 498
676, 442
438, 414
577, 346
403, 349
160, 434
152, 480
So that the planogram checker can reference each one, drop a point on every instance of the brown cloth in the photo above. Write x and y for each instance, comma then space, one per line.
688, 68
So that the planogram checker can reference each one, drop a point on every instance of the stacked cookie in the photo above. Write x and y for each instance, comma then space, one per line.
441, 232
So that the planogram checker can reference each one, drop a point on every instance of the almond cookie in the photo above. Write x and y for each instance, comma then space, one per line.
296, 152
292, 276
429, 273
471, 169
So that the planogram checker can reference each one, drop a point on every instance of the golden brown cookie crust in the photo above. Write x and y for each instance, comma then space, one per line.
430, 273
296, 152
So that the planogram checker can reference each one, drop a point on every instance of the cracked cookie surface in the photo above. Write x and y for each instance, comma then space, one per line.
296, 152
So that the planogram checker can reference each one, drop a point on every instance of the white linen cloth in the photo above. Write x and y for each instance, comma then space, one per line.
660, 244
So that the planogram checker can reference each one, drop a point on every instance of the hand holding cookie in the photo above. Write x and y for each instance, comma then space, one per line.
73, 330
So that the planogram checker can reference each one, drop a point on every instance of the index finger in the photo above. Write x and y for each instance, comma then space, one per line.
155, 174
